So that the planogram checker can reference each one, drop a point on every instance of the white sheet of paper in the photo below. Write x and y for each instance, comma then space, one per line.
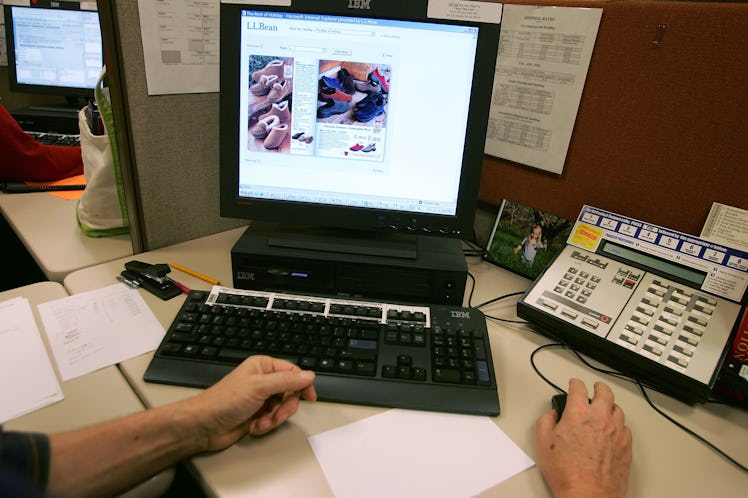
727, 225
544, 54
181, 44
99, 328
404, 453
27, 379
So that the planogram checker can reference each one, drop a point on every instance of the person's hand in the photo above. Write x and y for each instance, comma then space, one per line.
588, 452
255, 398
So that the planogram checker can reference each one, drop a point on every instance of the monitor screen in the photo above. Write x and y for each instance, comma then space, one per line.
53, 48
369, 120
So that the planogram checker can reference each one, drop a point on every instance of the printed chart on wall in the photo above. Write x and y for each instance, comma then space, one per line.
180, 45
544, 55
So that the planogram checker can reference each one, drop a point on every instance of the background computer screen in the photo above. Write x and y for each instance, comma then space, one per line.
54, 50
362, 119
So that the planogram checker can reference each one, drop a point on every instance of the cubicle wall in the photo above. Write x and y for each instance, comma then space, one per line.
660, 133
170, 142
662, 128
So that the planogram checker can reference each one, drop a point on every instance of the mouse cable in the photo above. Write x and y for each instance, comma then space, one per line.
688, 431
641, 386
537, 370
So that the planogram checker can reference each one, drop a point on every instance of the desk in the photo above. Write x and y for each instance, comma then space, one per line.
83, 403
92, 398
46, 224
667, 462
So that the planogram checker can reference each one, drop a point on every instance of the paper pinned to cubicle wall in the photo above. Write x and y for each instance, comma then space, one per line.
181, 44
27, 379
544, 55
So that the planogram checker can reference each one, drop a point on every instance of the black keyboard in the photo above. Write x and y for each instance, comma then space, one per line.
50, 138
434, 357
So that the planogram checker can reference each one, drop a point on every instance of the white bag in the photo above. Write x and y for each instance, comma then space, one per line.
101, 210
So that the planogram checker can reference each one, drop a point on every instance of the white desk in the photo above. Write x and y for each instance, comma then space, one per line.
667, 462
95, 397
47, 226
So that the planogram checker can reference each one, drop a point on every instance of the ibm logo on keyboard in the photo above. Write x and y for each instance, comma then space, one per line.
459, 314
245, 275
359, 4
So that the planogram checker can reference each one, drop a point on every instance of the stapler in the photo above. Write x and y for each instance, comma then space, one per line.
151, 277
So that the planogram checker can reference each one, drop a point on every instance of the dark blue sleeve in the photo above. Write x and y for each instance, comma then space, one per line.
24, 463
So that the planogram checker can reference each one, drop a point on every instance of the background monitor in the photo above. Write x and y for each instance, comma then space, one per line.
370, 120
53, 48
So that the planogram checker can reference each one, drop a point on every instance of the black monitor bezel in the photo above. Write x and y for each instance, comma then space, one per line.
458, 225
69, 92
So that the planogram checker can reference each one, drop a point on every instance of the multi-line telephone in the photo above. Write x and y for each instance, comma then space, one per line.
639, 313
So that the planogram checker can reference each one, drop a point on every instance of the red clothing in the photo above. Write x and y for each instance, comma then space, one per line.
22, 158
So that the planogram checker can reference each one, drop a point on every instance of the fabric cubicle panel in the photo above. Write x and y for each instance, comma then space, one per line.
661, 130
173, 144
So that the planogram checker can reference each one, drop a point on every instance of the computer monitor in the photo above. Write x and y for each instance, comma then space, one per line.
363, 122
53, 48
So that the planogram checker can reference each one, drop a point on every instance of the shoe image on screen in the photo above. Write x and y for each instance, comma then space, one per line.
352, 101
270, 90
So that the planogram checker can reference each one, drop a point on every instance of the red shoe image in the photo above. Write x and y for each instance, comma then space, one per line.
356, 147
381, 80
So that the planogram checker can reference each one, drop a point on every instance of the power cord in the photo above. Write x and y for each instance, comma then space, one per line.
649, 401
490, 301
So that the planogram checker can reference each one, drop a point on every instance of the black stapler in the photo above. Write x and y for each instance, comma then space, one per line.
150, 277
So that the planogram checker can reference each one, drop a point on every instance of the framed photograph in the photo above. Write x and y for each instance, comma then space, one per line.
525, 240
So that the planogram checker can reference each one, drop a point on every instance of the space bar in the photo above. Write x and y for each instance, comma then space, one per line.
231, 355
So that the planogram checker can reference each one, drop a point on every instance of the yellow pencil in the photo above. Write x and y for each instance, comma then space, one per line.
194, 274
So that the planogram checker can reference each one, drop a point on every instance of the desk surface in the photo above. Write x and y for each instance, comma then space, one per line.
46, 224
667, 462
98, 396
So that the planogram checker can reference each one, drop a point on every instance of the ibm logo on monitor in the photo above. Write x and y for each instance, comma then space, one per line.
359, 4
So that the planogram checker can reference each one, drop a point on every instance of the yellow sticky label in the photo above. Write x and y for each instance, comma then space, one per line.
586, 236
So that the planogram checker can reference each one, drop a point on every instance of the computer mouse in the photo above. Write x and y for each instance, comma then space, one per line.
558, 403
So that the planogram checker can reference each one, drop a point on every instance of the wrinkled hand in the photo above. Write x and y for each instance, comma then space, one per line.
255, 398
588, 452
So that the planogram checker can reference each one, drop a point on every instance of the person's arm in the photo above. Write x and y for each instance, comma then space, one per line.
109, 458
25, 159
588, 452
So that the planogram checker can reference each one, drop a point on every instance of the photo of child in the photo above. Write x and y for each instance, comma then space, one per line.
525, 240
530, 245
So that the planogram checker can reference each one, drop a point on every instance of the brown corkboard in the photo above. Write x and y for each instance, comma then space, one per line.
661, 131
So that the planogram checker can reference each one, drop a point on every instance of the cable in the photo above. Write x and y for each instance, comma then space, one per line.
518, 293
472, 288
505, 320
537, 370
689, 431
624, 377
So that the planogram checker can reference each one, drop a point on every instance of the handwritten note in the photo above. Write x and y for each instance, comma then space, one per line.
27, 379
99, 328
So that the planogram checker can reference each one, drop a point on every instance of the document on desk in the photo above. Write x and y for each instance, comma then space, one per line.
544, 55
406, 453
27, 379
99, 328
